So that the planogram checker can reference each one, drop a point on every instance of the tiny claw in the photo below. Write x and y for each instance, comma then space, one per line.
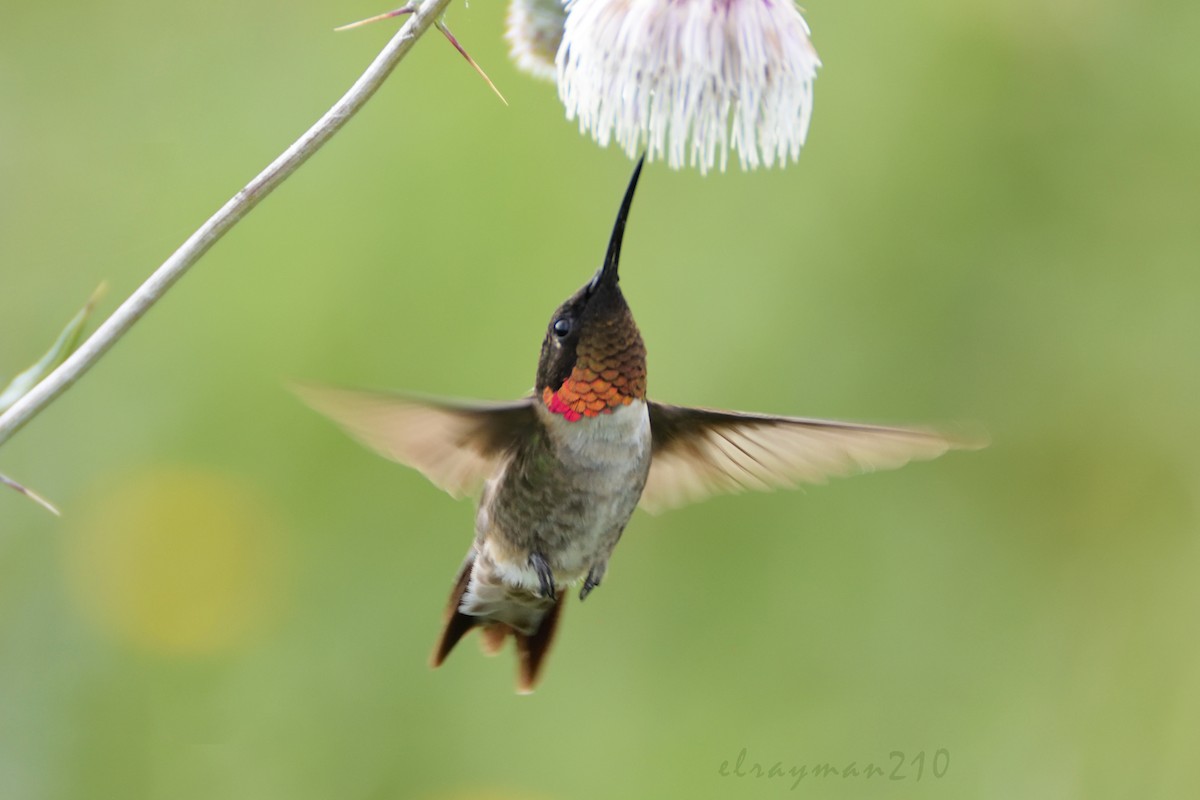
545, 576
591, 582
450, 36
408, 9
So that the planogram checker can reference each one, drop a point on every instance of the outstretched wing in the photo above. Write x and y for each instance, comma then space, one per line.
699, 452
456, 445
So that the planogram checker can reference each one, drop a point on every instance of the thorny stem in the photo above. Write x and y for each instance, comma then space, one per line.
146, 295
408, 9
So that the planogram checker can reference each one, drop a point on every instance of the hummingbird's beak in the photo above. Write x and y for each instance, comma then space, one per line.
608, 272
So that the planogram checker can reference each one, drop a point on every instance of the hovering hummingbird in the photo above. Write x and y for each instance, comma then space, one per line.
564, 468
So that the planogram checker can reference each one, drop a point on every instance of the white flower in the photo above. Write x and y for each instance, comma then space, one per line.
688, 79
535, 29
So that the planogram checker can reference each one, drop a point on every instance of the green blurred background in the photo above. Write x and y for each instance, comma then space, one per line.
994, 220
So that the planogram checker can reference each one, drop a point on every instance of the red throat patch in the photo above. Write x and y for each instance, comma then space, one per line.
577, 399
610, 371
558, 406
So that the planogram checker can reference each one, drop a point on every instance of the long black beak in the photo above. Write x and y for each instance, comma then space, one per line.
608, 272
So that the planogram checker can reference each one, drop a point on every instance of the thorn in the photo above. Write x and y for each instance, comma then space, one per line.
545, 576
407, 9
31, 494
446, 31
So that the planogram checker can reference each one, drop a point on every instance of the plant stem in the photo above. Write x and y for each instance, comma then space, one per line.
149, 293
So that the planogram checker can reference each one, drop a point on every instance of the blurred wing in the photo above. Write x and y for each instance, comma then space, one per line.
699, 452
455, 445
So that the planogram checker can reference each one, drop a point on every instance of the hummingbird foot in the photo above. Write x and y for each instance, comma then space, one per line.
545, 576
592, 581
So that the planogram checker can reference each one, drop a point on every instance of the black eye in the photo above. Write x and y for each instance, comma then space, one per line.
562, 326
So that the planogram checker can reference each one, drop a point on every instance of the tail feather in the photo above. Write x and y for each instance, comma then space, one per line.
457, 623
493, 637
532, 649
502, 607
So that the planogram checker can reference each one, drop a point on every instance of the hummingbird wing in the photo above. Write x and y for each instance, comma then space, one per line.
456, 445
699, 452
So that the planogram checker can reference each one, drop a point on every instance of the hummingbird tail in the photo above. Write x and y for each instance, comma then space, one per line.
508, 611
532, 649
457, 623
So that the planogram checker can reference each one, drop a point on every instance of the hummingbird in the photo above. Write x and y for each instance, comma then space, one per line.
563, 469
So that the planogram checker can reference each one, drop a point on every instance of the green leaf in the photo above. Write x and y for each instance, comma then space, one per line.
66, 343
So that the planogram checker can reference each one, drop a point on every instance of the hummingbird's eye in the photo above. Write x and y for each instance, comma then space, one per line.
562, 326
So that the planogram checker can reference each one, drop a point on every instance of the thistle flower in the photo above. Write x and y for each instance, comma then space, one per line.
534, 32
688, 79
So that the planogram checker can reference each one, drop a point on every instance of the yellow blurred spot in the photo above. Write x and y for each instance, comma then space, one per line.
179, 561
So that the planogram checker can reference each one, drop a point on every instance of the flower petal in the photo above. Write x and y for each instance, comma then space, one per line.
689, 79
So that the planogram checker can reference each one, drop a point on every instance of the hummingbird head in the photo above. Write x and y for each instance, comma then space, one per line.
593, 358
